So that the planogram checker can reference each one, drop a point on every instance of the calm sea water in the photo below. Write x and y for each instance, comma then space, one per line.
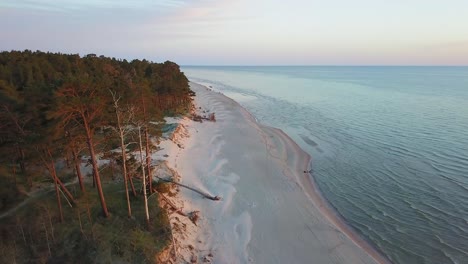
389, 146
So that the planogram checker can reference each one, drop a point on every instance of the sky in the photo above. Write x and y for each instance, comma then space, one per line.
243, 32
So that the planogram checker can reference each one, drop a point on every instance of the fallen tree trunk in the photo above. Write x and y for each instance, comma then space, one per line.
207, 196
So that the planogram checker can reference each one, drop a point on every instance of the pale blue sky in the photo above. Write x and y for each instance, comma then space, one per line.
242, 32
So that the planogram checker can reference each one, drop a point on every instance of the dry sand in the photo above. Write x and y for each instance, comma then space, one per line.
270, 211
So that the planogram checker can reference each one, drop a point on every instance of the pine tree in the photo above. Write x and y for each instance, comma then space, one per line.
80, 104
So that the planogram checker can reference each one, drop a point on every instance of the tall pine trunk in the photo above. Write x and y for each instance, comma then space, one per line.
124, 154
144, 178
148, 160
130, 178
97, 178
124, 171
148, 157
57, 193
78, 169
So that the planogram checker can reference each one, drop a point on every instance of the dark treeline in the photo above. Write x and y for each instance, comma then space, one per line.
58, 108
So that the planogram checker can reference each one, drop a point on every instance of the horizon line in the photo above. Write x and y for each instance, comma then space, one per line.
319, 65
84, 54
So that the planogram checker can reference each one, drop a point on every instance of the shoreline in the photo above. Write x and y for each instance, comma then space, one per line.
311, 189
316, 196
261, 175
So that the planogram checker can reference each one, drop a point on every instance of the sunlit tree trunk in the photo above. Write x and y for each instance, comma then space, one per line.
144, 177
78, 169
148, 161
148, 156
130, 178
123, 151
124, 171
97, 178
59, 203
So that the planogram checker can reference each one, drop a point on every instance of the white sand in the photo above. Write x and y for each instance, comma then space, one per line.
269, 212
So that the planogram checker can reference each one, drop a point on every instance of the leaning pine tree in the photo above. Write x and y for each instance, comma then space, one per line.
80, 104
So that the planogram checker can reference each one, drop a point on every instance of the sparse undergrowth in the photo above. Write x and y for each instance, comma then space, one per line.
35, 235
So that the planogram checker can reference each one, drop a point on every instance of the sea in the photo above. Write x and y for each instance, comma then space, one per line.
389, 146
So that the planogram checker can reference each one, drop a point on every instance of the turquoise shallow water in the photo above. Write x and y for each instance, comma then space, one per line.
389, 146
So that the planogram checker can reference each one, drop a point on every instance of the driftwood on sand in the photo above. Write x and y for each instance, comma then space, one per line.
207, 196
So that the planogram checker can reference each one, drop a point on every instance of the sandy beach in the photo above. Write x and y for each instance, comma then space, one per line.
270, 211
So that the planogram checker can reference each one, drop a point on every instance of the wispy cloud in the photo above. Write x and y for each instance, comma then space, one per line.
76, 5
305, 31
196, 19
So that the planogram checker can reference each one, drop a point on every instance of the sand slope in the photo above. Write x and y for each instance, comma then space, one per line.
268, 212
